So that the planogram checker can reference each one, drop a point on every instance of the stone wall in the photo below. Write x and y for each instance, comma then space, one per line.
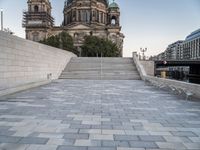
149, 67
178, 87
25, 62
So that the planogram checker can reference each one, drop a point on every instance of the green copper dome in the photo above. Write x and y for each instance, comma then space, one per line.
113, 5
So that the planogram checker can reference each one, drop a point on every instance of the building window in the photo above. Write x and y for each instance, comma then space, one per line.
36, 36
88, 16
29, 8
113, 20
75, 35
94, 14
79, 15
36, 9
84, 16
101, 14
74, 15
97, 16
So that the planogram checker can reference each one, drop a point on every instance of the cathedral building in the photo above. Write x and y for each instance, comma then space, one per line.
80, 18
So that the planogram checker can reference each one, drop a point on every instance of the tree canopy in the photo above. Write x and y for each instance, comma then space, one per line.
63, 41
96, 47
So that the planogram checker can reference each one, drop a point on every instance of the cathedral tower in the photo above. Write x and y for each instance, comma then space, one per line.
114, 14
114, 28
38, 20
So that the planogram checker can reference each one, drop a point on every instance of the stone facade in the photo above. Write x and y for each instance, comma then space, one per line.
81, 18
191, 46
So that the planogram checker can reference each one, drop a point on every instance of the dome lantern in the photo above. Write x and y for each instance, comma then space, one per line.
114, 5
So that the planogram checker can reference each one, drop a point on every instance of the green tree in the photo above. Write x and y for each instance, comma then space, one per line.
63, 41
96, 47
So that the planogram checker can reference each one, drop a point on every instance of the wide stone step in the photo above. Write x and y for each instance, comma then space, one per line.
101, 72
101, 69
102, 77
104, 60
98, 64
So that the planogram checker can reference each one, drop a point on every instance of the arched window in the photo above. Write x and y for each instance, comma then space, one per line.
97, 16
113, 20
75, 35
74, 15
88, 16
84, 16
79, 15
36, 8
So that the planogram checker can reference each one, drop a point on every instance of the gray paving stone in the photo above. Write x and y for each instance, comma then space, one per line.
69, 142
184, 133
81, 126
141, 144
195, 139
91, 131
115, 144
2, 128
125, 148
126, 138
41, 147
76, 136
101, 148
33, 140
56, 141
193, 145
11, 146
152, 138
9, 139
63, 147
101, 137
6, 133
69, 131
81, 142
170, 145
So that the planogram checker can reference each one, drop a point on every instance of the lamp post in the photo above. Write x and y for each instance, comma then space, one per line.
143, 51
1, 19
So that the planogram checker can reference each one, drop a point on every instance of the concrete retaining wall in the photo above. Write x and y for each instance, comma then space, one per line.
24, 62
181, 88
148, 67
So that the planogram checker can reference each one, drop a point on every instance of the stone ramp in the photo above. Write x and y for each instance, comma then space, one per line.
100, 69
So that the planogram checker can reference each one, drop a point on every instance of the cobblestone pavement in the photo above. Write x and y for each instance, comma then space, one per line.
98, 115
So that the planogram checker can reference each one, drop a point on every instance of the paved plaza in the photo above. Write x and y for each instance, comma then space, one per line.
98, 115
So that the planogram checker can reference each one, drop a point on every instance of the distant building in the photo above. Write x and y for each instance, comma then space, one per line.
161, 56
175, 51
189, 49
191, 46
81, 18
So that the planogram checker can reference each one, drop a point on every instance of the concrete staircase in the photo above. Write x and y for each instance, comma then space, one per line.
100, 69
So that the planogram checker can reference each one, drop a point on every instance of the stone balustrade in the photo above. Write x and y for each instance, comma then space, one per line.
181, 88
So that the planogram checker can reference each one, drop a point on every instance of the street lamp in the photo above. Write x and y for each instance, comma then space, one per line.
1, 19
143, 51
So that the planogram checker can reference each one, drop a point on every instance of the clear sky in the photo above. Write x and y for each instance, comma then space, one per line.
145, 23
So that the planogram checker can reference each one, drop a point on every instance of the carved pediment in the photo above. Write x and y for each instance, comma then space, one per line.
79, 26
